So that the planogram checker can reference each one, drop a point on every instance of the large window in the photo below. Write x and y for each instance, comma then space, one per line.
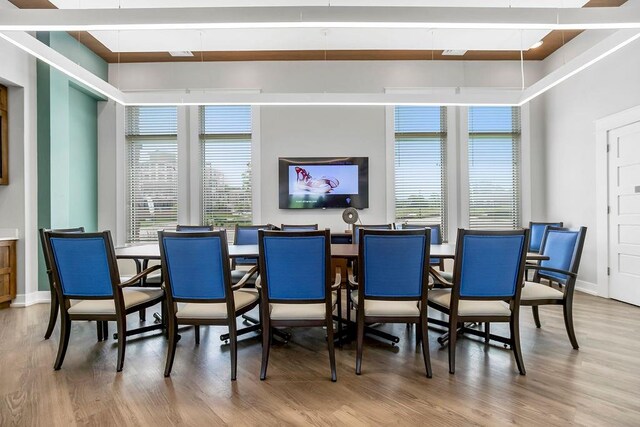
225, 135
152, 171
494, 167
421, 165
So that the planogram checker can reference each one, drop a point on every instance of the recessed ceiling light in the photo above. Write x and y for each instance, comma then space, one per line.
536, 45
181, 53
453, 52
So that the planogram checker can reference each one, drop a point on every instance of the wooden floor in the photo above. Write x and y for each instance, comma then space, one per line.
597, 385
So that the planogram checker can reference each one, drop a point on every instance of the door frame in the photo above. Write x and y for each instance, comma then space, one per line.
604, 126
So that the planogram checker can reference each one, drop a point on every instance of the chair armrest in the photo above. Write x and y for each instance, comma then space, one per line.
351, 280
338, 280
253, 270
438, 277
135, 279
259, 282
551, 269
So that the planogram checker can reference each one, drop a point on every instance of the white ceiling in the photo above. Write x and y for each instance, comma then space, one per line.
314, 38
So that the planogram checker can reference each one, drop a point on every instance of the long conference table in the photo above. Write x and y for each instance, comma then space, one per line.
345, 251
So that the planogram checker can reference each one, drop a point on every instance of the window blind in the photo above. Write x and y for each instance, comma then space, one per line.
152, 171
225, 134
494, 167
421, 165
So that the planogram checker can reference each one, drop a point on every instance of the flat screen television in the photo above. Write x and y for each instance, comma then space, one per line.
323, 182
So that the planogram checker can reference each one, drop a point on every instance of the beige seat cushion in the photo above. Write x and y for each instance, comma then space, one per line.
382, 308
534, 291
132, 297
442, 297
447, 275
293, 311
197, 310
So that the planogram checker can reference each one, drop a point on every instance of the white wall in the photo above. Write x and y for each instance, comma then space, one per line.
569, 114
318, 132
18, 200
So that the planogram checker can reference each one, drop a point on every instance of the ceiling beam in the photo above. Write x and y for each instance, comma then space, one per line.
320, 17
436, 96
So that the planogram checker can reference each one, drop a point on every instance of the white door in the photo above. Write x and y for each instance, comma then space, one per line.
624, 216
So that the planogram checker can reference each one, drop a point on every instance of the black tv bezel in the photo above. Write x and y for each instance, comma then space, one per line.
358, 201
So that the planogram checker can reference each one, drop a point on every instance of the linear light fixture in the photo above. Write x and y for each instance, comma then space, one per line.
34, 47
497, 97
608, 46
471, 18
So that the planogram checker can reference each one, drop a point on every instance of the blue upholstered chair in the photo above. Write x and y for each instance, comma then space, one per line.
246, 235
87, 280
564, 249
488, 276
194, 228
393, 282
436, 239
355, 229
55, 304
199, 290
296, 285
536, 234
298, 227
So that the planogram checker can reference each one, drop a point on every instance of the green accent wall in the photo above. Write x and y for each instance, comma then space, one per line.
67, 142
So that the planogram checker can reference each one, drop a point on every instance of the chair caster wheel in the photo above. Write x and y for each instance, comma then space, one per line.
226, 342
115, 336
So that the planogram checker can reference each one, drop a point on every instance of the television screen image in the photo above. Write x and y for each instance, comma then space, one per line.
334, 179
323, 182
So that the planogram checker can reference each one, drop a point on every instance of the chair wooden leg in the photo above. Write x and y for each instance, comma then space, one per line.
53, 314
122, 342
453, 335
143, 315
233, 341
105, 330
487, 331
359, 345
332, 352
567, 309
65, 331
100, 331
266, 346
196, 332
171, 351
424, 340
339, 318
418, 332
515, 342
536, 315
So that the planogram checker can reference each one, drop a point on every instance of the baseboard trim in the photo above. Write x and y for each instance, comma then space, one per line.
25, 300
587, 288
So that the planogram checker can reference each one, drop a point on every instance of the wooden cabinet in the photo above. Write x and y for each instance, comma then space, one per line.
7, 272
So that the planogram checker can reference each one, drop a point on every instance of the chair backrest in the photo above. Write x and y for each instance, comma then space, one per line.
392, 264
295, 266
196, 265
563, 246
490, 264
298, 227
83, 264
194, 228
536, 233
45, 251
436, 231
355, 229
248, 235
